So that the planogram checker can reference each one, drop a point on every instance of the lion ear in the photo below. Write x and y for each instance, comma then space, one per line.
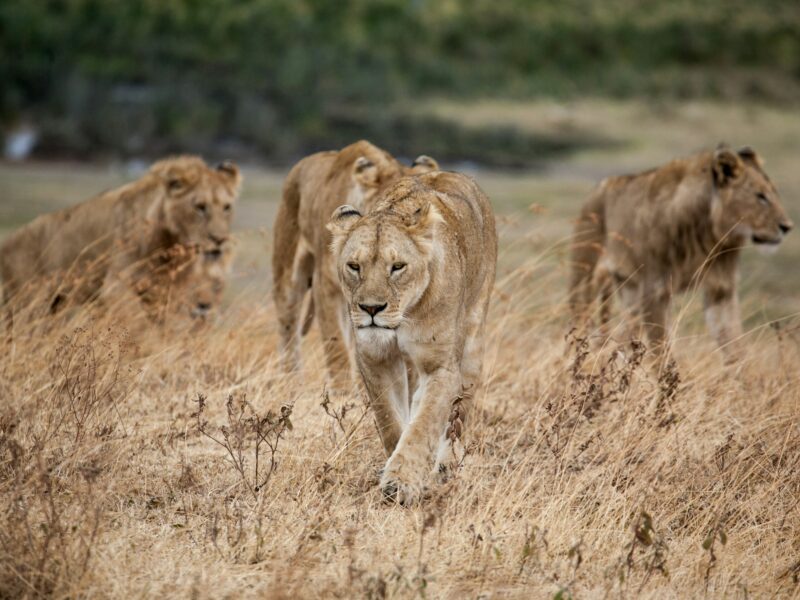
175, 183
726, 166
365, 172
749, 155
231, 172
424, 163
343, 219
421, 224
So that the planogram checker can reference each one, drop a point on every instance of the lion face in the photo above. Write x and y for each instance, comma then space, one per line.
198, 202
206, 297
208, 280
383, 265
746, 205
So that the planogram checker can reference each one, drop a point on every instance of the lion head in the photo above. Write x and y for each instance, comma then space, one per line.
197, 205
370, 174
207, 281
382, 259
746, 204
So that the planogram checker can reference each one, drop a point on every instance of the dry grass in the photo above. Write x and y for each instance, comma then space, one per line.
590, 472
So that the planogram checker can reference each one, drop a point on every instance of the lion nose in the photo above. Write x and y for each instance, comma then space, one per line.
785, 227
218, 240
204, 306
372, 309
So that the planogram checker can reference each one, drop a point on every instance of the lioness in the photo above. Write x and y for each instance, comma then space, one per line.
649, 235
125, 234
417, 272
206, 286
301, 255
193, 285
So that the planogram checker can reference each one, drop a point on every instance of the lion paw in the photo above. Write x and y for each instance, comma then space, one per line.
449, 459
402, 493
403, 486
442, 473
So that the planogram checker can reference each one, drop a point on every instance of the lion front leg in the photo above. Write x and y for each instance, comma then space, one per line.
451, 451
654, 315
385, 379
406, 471
723, 319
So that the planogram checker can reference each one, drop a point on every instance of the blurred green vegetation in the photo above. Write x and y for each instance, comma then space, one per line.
279, 78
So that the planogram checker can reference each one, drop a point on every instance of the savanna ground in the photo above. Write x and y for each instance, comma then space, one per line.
138, 463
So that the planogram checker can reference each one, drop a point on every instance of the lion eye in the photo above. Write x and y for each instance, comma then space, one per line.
398, 267
762, 198
201, 208
354, 267
227, 207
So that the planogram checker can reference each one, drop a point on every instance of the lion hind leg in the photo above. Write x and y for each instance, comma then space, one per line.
289, 293
334, 328
655, 320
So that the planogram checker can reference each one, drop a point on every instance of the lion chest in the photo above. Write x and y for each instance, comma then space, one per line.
426, 350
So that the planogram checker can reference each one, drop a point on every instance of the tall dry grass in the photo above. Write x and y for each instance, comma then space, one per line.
137, 462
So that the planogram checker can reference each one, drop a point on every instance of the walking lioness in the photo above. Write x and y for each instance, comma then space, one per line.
650, 235
301, 254
417, 272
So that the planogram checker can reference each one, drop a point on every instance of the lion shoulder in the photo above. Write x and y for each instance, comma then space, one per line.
450, 215
466, 210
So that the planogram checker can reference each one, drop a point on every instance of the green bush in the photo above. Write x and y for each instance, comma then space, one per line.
271, 76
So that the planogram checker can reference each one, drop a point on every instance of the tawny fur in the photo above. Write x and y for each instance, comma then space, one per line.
417, 273
193, 288
209, 283
301, 258
645, 237
121, 241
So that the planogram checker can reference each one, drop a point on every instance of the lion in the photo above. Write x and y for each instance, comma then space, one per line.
417, 273
301, 259
192, 287
682, 225
118, 241
207, 283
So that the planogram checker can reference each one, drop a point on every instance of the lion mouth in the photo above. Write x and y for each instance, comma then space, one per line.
766, 240
376, 326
